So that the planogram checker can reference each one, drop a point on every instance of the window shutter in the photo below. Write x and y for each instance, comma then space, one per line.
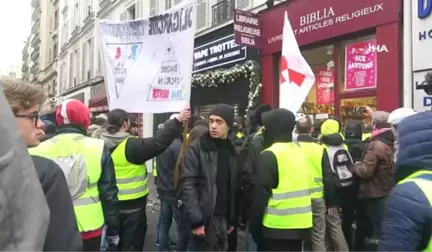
242, 4
138, 9
201, 14
153, 8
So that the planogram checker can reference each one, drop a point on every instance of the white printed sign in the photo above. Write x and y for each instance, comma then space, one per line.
148, 62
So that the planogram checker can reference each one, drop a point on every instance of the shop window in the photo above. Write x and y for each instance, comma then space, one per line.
319, 103
357, 64
353, 109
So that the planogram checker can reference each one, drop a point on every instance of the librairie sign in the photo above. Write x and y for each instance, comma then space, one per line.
247, 29
218, 53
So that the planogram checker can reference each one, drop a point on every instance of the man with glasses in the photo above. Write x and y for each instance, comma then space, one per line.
62, 234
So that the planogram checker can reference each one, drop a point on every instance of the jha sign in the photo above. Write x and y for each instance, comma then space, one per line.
218, 53
247, 29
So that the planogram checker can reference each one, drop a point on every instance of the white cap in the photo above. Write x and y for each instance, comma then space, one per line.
399, 114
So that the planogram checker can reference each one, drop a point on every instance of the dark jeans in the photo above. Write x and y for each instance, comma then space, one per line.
183, 230
133, 229
92, 244
280, 245
165, 220
363, 227
374, 210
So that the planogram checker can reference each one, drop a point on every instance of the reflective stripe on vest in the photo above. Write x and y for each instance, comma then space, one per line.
154, 168
87, 205
131, 178
290, 204
314, 153
426, 187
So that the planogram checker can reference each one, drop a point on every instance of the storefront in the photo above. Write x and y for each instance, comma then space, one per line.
417, 55
223, 72
98, 102
354, 50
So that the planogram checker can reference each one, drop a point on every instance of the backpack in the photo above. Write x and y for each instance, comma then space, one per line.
341, 165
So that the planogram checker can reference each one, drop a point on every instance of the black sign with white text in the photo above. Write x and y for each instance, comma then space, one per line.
218, 53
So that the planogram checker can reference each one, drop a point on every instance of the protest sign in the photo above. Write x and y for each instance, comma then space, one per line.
148, 62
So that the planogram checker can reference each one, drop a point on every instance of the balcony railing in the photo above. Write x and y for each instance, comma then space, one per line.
35, 27
35, 3
34, 55
35, 40
36, 14
222, 12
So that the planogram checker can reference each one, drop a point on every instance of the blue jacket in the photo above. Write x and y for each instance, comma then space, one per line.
407, 221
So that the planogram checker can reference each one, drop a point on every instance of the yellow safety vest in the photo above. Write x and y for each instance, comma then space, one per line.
240, 135
290, 204
365, 136
131, 178
87, 207
314, 153
426, 187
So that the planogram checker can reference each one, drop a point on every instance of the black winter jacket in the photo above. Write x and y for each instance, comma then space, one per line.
255, 147
166, 163
62, 234
139, 150
198, 189
107, 185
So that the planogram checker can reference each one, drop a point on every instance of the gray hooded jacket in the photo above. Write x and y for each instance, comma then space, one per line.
24, 213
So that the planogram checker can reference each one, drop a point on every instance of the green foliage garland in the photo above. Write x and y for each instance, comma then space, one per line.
250, 69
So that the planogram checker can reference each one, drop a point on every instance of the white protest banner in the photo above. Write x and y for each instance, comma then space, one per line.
148, 62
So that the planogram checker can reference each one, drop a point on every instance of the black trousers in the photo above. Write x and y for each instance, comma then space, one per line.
232, 240
92, 244
133, 229
280, 245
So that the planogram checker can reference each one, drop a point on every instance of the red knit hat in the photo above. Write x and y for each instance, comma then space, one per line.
72, 111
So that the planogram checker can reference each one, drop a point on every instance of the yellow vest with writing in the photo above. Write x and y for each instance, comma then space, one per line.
314, 153
426, 187
87, 207
290, 204
131, 178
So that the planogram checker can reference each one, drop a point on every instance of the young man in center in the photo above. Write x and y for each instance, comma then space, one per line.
210, 184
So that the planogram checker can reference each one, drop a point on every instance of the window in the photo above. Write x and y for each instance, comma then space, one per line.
153, 8
99, 64
77, 67
84, 61
51, 25
55, 50
71, 71
91, 57
131, 11
167, 4
76, 16
49, 56
89, 7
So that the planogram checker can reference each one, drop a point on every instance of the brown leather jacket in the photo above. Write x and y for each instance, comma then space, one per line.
377, 167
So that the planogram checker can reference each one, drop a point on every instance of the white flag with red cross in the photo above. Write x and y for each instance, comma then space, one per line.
296, 76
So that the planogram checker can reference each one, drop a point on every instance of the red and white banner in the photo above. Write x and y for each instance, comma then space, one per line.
296, 77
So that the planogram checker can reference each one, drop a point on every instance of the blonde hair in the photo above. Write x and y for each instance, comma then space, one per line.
22, 96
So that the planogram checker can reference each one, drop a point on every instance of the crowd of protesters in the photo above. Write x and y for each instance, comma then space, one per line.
291, 184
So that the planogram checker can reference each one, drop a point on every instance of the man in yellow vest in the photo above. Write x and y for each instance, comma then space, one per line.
407, 220
129, 155
281, 218
89, 174
315, 153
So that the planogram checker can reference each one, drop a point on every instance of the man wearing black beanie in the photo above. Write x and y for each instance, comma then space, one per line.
210, 185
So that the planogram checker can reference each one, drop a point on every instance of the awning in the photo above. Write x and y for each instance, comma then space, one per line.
98, 104
98, 101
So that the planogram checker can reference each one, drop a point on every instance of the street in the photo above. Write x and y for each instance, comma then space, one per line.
153, 207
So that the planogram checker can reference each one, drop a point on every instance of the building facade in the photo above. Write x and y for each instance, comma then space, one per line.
39, 55
354, 50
